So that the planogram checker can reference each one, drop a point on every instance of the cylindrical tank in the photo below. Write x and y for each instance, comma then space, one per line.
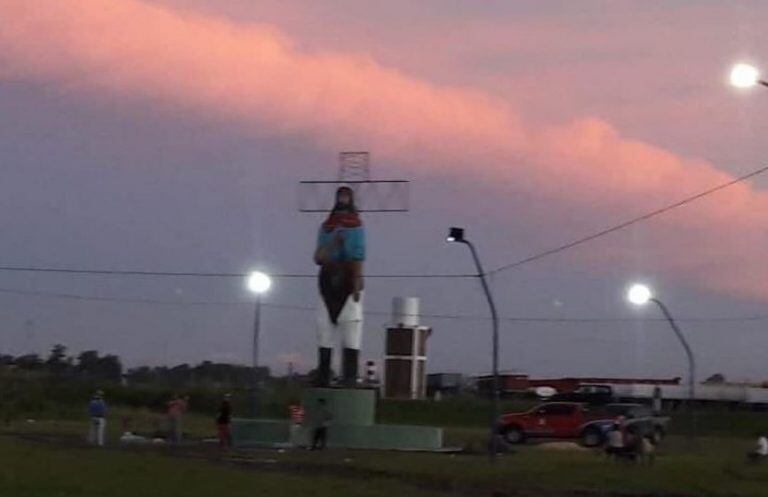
405, 311
405, 354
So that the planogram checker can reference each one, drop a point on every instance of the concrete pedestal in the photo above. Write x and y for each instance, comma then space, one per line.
349, 406
353, 425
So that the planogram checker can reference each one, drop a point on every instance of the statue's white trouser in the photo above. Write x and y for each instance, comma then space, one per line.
350, 324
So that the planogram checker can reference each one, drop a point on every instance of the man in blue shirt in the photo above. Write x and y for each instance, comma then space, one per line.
340, 254
97, 410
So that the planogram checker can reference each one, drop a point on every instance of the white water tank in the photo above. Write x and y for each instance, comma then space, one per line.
405, 311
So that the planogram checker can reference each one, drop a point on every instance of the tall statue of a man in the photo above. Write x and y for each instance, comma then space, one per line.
340, 254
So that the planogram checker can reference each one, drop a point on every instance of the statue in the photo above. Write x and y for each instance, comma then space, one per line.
340, 254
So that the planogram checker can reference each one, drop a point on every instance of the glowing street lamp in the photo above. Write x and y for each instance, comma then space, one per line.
258, 283
456, 235
745, 76
640, 294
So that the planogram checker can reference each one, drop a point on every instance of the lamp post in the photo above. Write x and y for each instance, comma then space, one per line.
456, 235
746, 76
640, 295
258, 283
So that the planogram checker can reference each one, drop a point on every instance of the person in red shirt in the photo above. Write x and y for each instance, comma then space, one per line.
296, 413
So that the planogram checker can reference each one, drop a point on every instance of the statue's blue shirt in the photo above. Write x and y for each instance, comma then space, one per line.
353, 248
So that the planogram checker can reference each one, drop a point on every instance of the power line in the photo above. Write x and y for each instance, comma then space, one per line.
194, 274
626, 224
540, 255
457, 317
72, 296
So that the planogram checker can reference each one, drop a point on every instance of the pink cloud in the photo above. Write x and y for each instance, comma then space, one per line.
256, 75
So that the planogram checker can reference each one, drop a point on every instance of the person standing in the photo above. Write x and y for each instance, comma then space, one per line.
614, 441
296, 413
176, 408
323, 418
223, 422
647, 451
657, 405
97, 410
760, 451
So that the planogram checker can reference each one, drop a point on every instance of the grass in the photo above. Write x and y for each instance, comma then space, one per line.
717, 421
715, 467
32, 470
141, 421
723, 422
717, 470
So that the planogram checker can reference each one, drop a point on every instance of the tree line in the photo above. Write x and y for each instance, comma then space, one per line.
91, 364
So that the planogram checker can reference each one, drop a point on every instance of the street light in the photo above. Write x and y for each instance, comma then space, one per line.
746, 76
639, 294
258, 283
456, 235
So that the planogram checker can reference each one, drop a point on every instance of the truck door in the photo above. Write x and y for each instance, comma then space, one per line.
563, 420
554, 420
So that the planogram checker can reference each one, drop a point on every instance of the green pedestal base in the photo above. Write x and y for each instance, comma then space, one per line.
249, 433
348, 406
353, 427
259, 432
386, 437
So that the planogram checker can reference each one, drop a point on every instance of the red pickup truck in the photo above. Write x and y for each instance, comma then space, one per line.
577, 420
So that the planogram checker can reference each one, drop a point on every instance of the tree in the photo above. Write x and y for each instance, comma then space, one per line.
716, 379
207, 372
58, 362
108, 367
29, 362
88, 362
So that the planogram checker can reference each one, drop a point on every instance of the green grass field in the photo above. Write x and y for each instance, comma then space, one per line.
48, 458
38, 470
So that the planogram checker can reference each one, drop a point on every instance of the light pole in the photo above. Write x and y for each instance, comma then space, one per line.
746, 76
457, 235
258, 283
640, 295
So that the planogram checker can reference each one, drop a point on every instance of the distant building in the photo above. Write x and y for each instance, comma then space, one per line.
443, 384
519, 383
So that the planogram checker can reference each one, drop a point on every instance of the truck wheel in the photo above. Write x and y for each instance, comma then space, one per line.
591, 437
513, 434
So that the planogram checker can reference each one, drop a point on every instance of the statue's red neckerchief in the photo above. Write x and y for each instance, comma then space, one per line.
342, 220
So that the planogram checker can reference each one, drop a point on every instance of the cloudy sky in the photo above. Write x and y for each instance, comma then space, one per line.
169, 135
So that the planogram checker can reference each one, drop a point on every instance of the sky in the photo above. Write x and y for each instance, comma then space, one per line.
170, 135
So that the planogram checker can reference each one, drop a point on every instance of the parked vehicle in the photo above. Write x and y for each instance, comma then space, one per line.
552, 419
639, 420
577, 420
